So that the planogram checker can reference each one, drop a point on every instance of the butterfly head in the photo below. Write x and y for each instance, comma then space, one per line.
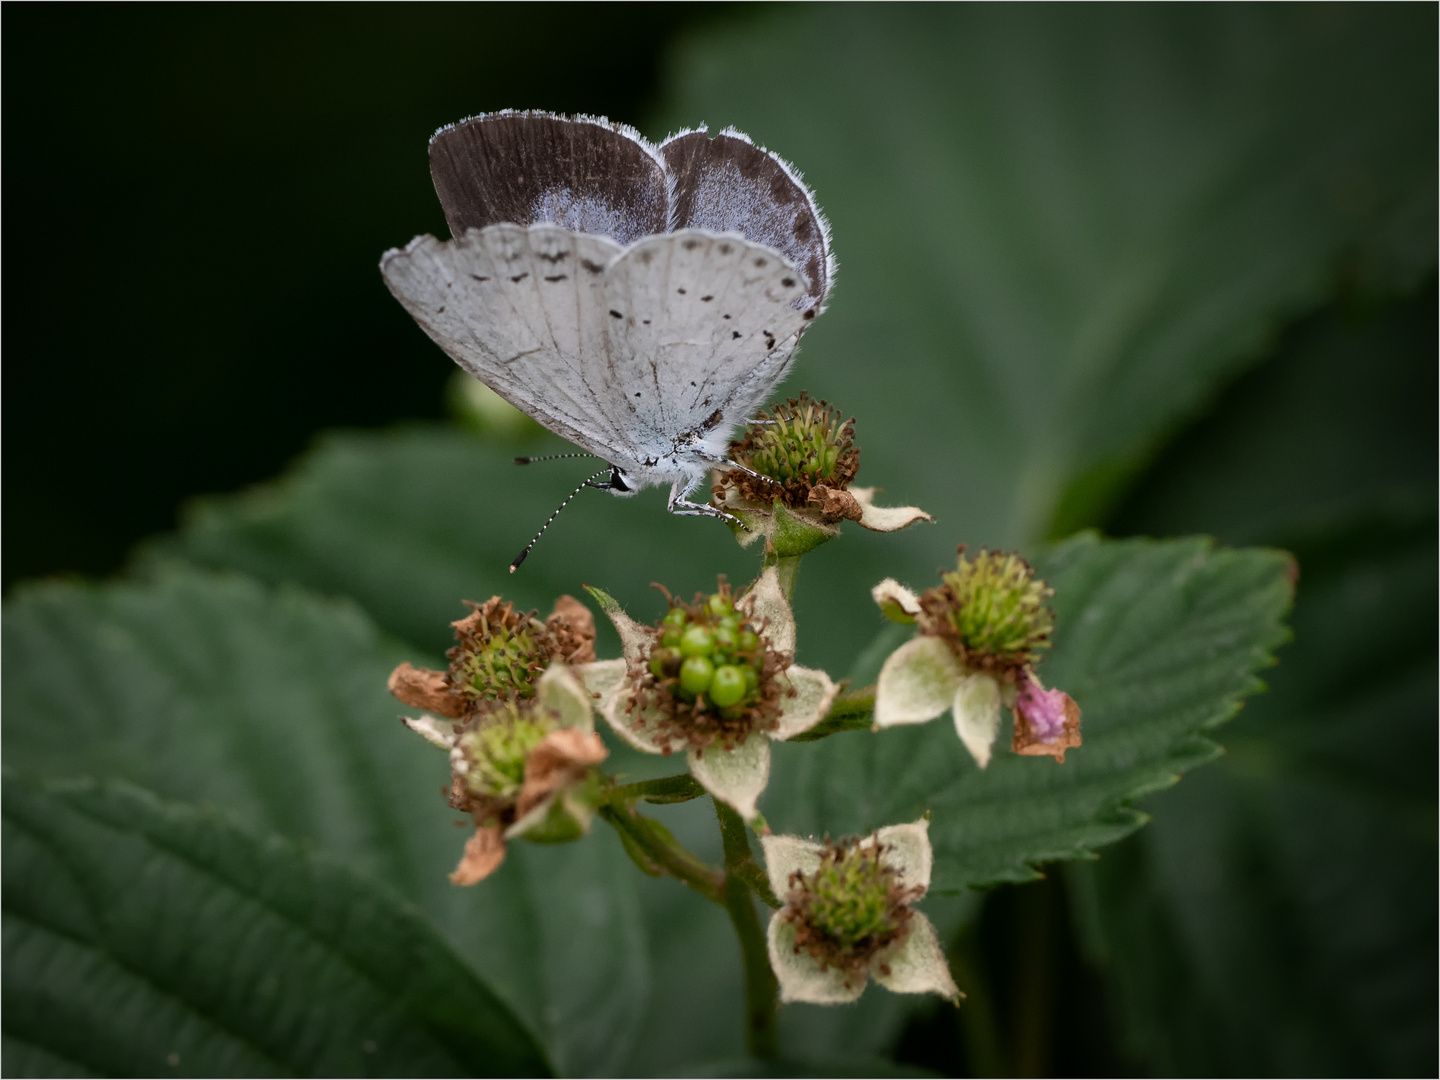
620, 483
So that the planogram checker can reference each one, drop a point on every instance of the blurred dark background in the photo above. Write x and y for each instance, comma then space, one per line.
196, 201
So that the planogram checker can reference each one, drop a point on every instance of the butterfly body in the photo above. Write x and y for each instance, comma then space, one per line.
639, 301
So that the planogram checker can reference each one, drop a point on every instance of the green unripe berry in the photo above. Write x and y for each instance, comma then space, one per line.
696, 641
675, 617
728, 686
752, 679
696, 674
726, 638
670, 637
748, 641
665, 663
720, 605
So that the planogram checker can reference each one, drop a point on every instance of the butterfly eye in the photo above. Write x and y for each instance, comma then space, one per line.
617, 480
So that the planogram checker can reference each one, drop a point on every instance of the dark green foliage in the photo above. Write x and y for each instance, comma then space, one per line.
1062, 232
144, 937
1279, 915
273, 708
1158, 642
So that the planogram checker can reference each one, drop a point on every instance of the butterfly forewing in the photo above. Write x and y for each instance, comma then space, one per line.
584, 174
728, 184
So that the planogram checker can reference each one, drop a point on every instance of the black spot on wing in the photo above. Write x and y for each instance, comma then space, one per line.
593, 267
520, 277
477, 277
558, 277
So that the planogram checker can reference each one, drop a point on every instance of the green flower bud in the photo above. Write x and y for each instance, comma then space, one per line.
992, 609
501, 652
495, 752
850, 907
851, 897
805, 443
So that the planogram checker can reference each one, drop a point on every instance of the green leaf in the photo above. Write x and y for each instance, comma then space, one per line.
1279, 915
820, 1065
144, 937
1060, 229
1157, 641
272, 706
409, 523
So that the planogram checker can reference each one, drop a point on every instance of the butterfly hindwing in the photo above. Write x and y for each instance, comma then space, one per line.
486, 301
626, 352
707, 326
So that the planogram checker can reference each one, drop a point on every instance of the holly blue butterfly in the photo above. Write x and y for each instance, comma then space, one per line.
638, 300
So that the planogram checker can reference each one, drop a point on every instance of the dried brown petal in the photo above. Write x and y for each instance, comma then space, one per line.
421, 688
562, 758
1025, 742
572, 628
835, 504
484, 852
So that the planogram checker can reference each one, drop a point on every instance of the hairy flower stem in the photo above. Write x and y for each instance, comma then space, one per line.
854, 711
761, 989
654, 842
667, 789
788, 567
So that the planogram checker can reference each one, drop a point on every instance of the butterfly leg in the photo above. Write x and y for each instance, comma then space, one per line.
682, 506
727, 464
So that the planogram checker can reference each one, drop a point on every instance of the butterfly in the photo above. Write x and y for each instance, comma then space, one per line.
638, 300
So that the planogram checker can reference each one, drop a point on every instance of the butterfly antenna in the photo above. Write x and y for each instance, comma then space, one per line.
588, 482
549, 457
